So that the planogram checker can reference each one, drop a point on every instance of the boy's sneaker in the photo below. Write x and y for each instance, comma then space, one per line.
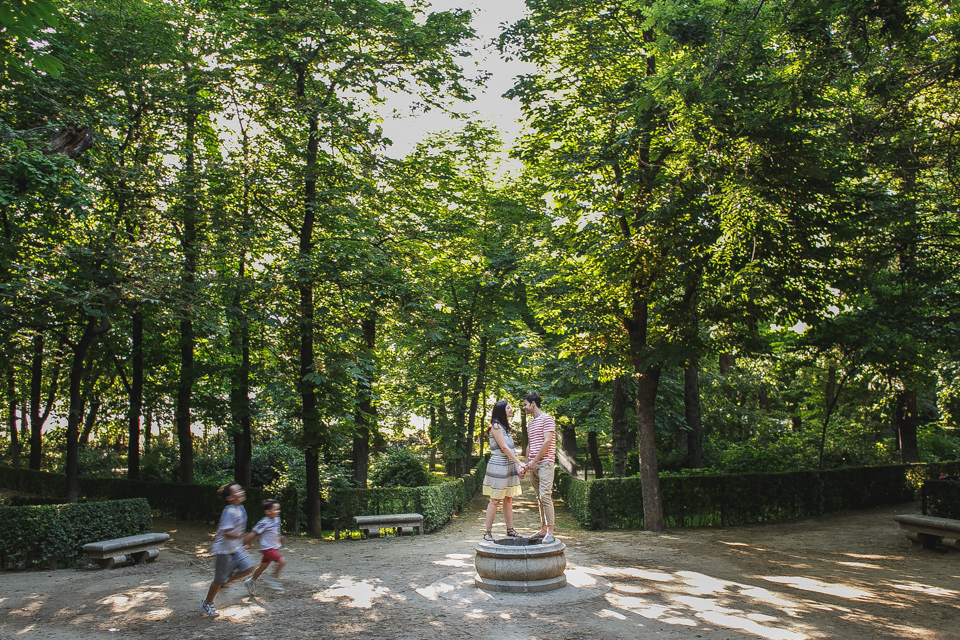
250, 585
275, 585
208, 610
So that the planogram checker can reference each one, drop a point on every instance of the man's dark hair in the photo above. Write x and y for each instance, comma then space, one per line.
269, 504
533, 398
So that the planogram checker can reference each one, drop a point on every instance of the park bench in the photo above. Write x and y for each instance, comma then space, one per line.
930, 531
141, 548
404, 523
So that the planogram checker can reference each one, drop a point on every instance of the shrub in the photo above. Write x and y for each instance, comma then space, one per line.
54, 535
399, 468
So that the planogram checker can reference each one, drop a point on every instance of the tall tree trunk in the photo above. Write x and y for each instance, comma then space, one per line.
524, 436
311, 419
365, 414
619, 427
691, 405
461, 465
831, 389
147, 429
906, 420
12, 416
136, 397
36, 388
648, 381
593, 450
188, 283
90, 331
90, 420
568, 449
478, 385
38, 418
240, 340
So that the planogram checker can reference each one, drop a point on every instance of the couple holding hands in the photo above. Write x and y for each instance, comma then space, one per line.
504, 470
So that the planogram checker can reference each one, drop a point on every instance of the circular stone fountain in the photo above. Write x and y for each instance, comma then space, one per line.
516, 565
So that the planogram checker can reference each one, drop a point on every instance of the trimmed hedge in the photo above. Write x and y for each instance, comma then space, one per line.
721, 500
941, 498
436, 502
54, 535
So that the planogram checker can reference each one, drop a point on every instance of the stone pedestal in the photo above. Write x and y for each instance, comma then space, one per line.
514, 565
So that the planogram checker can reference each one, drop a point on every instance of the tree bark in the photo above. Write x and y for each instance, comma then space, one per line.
37, 419
691, 405
593, 450
311, 419
188, 286
567, 451
72, 468
136, 397
478, 385
906, 419
365, 415
12, 416
90, 420
619, 426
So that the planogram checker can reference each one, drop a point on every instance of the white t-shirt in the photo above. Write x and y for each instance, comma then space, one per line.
234, 520
269, 531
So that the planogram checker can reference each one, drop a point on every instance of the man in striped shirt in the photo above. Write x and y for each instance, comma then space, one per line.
541, 456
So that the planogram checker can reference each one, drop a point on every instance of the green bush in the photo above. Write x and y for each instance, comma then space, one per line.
399, 468
437, 502
719, 500
941, 498
54, 535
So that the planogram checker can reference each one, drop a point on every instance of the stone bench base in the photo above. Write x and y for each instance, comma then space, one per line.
929, 531
404, 523
111, 553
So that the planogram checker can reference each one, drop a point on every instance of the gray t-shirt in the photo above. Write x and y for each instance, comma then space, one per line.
269, 531
234, 520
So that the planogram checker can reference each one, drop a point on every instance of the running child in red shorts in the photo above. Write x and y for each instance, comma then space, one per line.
270, 542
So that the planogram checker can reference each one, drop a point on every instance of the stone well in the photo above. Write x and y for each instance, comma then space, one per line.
515, 565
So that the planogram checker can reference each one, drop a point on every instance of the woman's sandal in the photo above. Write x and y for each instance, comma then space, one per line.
488, 536
512, 533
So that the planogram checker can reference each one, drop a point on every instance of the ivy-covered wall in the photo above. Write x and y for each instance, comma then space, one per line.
695, 501
54, 535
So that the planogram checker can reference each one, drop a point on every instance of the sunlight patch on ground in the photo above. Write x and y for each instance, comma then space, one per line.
361, 593
924, 588
607, 613
861, 556
649, 610
29, 627
748, 626
861, 565
456, 560
136, 599
630, 572
816, 586
580, 578
477, 614
741, 544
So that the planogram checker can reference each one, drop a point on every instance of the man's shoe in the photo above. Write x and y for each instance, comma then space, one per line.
250, 585
274, 584
208, 610
549, 539
537, 537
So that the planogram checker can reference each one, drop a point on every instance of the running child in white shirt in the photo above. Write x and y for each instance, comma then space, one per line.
270, 542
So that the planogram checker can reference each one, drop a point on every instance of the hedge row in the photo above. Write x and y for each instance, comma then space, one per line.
721, 500
53, 535
181, 501
941, 498
200, 503
438, 503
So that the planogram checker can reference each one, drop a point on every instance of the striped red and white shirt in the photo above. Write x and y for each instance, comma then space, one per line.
536, 430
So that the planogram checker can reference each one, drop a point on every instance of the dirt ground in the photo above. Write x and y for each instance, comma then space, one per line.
850, 575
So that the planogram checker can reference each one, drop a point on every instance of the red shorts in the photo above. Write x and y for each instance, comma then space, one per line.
270, 555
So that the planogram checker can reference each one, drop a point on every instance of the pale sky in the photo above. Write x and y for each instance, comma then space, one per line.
407, 130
